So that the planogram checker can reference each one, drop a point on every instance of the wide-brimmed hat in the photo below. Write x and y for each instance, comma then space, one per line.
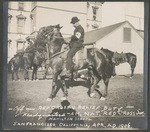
74, 20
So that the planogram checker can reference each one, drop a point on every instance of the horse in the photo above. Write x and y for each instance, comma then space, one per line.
35, 54
35, 60
15, 64
118, 58
97, 63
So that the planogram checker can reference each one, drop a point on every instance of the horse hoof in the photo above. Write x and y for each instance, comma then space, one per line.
102, 98
49, 99
63, 98
130, 77
92, 95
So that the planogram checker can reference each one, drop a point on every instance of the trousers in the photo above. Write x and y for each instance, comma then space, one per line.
73, 50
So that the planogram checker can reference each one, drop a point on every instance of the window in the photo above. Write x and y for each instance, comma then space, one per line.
21, 6
95, 8
20, 45
21, 23
127, 34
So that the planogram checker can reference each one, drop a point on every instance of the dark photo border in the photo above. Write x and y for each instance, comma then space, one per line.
3, 62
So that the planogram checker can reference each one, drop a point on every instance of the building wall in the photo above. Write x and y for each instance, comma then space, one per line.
62, 17
61, 13
13, 34
40, 14
90, 21
115, 12
114, 41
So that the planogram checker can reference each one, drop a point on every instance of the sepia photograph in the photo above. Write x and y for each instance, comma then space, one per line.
75, 66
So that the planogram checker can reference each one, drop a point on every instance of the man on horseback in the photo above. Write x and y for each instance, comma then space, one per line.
76, 43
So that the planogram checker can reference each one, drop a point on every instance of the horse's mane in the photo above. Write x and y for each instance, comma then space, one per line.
41, 39
107, 50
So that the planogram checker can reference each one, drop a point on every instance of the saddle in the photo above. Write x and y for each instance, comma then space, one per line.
120, 57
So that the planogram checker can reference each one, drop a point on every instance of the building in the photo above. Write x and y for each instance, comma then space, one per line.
123, 11
26, 18
18, 26
120, 37
61, 13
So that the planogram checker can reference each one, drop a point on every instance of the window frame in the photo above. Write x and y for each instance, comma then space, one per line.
127, 41
23, 26
21, 6
20, 42
95, 9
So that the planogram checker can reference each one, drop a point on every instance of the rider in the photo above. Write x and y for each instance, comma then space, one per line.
76, 43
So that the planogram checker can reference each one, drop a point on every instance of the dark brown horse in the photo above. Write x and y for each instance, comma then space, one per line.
118, 58
15, 64
36, 54
97, 63
35, 60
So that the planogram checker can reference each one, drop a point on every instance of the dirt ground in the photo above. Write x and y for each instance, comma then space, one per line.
27, 107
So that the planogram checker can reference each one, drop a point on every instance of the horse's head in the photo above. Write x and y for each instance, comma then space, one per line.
91, 52
30, 41
56, 41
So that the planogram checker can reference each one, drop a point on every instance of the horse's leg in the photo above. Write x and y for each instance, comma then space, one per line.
46, 70
90, 79
34, 72
114, 71
54, 86
132, 63
36, 68
65, 91
26, 74
12, 75
17, 74
106, 81
132, 72
95, 83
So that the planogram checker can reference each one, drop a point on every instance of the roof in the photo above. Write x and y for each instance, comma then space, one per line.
95, 35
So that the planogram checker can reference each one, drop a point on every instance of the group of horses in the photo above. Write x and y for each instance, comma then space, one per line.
47, 49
